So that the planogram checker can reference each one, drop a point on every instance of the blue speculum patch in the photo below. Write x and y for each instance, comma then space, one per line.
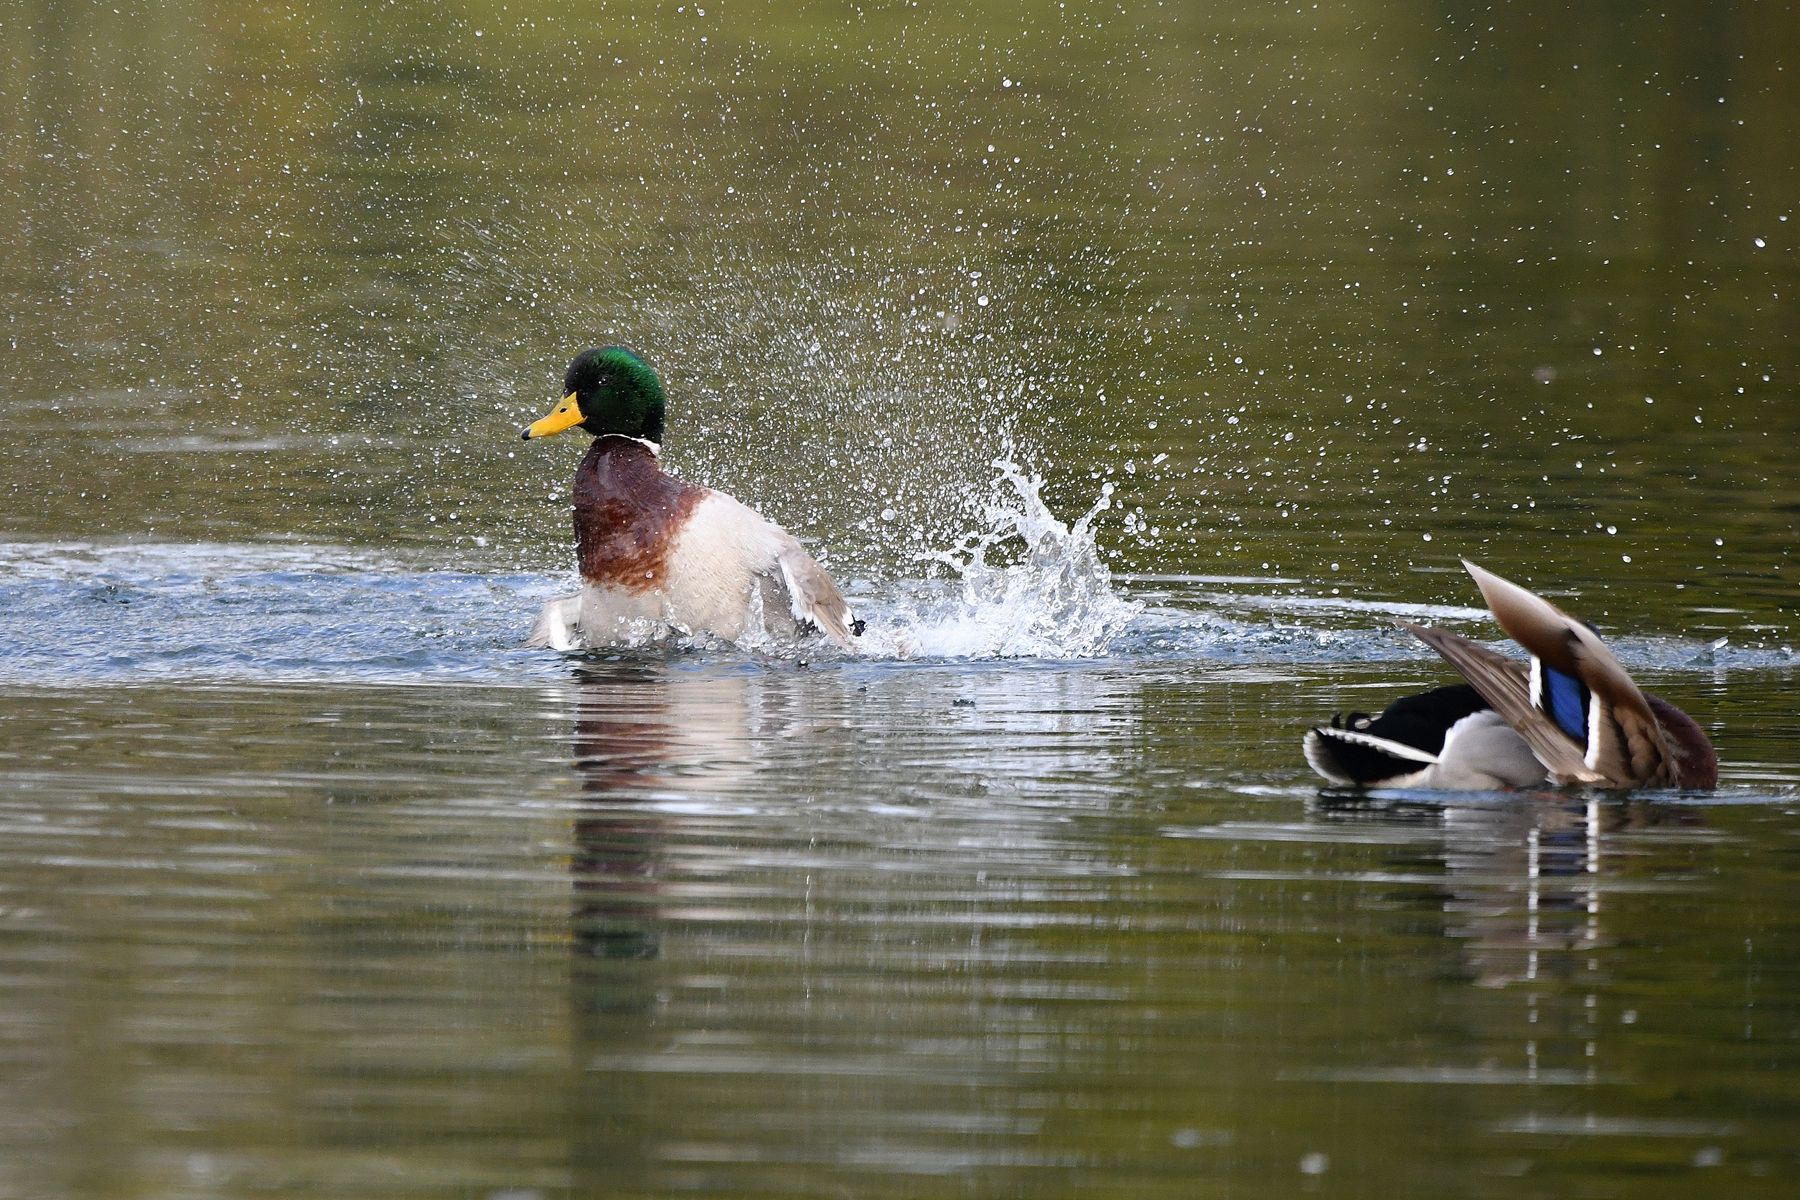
1566, 700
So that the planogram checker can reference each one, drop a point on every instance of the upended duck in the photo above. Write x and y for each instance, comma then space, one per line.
1571, 715
659, 556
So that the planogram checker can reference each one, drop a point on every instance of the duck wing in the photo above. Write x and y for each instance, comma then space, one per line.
1574, 703
813, 596
1572, 670
1505, 684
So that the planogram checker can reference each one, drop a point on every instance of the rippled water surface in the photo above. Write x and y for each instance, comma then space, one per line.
659, 927
1134, 367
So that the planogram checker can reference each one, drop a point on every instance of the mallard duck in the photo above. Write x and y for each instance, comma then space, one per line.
659, 556
1569, 716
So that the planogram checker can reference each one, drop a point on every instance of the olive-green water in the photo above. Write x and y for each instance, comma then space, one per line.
314, 883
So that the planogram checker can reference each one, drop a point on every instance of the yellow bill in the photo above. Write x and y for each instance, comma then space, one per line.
566, 415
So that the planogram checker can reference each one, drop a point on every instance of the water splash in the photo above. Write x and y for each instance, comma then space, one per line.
1027, 586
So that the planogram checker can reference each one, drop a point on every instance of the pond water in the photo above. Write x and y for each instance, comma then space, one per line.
1135, 368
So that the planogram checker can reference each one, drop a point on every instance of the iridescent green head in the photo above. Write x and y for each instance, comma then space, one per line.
607, 390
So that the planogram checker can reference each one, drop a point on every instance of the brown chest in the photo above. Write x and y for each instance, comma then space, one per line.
628, 515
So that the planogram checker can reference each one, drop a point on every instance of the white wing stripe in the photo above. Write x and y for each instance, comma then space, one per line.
1316, 758
1596, 714
1386, 746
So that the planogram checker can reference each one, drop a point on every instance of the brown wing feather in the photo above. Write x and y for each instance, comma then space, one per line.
1504, 683
1627, 749
1560, 640
1627, 746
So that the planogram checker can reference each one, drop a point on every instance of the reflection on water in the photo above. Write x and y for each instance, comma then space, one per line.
668, 926
615, 854
1527, 881
664, 926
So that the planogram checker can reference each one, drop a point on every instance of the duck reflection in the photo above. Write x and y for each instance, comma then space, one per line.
628, 742
663, 752
1527, 882
616, 844
1525, 897
638, 729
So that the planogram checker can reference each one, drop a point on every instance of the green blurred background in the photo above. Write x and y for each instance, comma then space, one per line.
1311, 284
